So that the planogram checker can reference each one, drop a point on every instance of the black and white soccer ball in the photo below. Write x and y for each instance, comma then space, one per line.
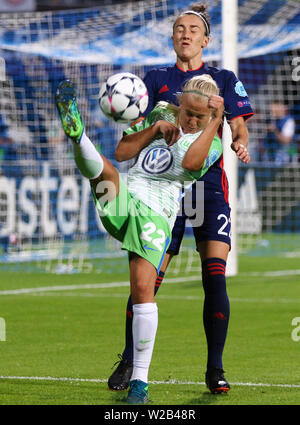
123, 97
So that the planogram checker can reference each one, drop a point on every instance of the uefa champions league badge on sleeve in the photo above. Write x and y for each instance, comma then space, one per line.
240, 89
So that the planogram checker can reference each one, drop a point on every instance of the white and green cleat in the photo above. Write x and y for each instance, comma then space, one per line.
66, 103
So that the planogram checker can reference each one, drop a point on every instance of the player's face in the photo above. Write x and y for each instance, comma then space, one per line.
189, 37
194, 114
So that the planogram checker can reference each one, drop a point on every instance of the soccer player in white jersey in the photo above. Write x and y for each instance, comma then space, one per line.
174, 146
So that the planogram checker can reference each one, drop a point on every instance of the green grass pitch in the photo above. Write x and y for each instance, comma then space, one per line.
61, 339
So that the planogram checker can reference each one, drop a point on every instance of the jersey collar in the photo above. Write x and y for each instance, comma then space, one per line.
190, 70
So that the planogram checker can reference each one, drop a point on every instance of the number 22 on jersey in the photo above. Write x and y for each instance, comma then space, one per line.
154, 236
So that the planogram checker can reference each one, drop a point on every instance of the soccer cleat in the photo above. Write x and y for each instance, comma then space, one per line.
66, 103
215, 381
138, 392
120, 378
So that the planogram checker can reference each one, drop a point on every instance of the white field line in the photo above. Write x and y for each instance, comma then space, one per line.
50, 290
171, 382
24, 291
169, 297
275, 273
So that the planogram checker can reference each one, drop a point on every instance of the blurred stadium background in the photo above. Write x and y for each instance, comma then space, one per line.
47, 217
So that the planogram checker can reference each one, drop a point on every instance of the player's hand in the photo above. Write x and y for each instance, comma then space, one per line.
216, 103
241, 152
169, 132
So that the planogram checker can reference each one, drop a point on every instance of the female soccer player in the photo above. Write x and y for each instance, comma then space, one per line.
191, 31
174, 146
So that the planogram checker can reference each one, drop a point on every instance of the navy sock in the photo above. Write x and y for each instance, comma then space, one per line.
216, 309
128, 351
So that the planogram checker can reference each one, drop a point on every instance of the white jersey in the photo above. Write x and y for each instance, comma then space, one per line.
157, 177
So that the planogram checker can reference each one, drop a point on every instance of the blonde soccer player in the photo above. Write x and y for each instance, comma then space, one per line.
173, 146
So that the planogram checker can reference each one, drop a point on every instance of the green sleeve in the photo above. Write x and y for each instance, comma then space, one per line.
214, 154
154, 116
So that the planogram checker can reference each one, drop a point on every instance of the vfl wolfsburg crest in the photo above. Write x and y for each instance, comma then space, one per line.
157, 160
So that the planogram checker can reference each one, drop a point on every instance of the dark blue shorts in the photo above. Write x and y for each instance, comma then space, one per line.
216, 224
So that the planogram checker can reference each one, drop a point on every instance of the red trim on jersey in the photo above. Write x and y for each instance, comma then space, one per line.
197, 69
224, 180
246, 116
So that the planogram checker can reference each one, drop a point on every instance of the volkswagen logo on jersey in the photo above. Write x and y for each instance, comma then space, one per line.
157, 160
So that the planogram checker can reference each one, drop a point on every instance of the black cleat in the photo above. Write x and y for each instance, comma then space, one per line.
120, 378
216, 381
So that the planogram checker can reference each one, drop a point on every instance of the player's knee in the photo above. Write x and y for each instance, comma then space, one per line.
213, 267
141, 291
213, 275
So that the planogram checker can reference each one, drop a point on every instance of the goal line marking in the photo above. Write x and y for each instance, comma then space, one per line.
171, 382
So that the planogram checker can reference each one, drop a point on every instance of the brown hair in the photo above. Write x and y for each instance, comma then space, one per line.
200, 8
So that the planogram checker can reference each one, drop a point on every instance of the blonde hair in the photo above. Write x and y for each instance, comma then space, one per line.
200, 85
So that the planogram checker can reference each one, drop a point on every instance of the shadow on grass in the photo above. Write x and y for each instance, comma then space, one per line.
185, 398
207, 398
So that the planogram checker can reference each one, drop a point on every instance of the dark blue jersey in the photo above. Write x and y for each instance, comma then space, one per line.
165, 83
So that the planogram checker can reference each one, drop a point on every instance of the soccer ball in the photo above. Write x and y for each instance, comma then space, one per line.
123, 97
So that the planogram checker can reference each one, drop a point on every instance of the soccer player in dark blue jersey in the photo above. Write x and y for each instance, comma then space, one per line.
191, 33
